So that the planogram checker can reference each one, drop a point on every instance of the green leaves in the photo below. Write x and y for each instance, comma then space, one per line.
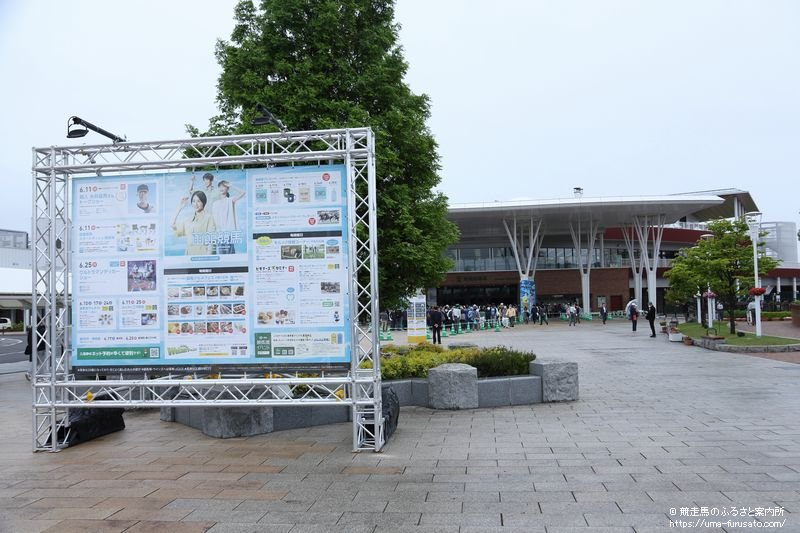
724, 261
319, 64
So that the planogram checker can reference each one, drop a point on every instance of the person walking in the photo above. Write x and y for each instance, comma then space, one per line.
603, 313
41, 331
573, 314
651, 318
633, 313
437, 321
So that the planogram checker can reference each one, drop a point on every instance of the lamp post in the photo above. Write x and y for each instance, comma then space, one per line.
754, 223
709, 295
711, 309
699, 297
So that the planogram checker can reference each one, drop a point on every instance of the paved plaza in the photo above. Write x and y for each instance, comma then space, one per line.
661, 431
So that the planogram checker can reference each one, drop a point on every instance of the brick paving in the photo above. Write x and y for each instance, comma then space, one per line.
658, 426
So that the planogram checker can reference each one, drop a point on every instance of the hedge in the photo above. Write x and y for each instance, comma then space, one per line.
403, 362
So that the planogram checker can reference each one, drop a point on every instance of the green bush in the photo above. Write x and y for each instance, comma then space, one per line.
403, 362
775, 314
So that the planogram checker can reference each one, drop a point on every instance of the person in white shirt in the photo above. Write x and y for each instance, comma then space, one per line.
224, 211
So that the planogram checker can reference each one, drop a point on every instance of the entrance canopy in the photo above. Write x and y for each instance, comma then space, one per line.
484, 220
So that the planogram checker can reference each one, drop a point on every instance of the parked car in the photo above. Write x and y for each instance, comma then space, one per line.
5, 323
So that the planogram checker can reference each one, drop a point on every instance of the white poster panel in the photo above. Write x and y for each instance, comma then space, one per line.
417, 319
226, 267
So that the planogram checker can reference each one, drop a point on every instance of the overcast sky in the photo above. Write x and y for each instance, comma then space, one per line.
529, 98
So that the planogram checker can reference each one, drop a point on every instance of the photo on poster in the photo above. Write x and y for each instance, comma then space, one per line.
136, 237
142, 275
144, 200
206, 214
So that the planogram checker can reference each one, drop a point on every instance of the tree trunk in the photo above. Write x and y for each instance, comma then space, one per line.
732, 315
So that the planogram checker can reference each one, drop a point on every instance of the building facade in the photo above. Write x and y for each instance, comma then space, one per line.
594, 250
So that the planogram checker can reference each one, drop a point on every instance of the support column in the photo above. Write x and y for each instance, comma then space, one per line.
602, 249
584, 265
516, 236
794, 289
637, 265
649, 255
778, 294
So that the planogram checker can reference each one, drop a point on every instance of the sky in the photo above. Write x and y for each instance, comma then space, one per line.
528, 98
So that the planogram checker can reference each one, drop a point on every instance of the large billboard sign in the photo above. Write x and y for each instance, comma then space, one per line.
233, 267
527, 295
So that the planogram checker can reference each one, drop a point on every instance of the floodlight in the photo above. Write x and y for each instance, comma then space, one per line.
77, 127
267, 118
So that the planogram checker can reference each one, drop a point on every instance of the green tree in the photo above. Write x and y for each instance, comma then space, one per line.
319, 64
724, 261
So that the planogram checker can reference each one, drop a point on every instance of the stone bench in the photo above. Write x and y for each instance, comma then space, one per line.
559, 379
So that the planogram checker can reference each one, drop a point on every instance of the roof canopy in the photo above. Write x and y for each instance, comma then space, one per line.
483, 220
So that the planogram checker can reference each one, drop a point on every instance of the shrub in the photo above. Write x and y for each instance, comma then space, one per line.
403, 362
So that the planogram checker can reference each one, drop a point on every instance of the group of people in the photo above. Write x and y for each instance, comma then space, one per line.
213, 211
650, 316
469, 316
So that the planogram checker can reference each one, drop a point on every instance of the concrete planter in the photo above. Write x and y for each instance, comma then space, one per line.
548, 381
450, 386
795, 309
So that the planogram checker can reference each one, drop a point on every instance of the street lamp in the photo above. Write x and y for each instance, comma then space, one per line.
709, 295
754, 223
699, 309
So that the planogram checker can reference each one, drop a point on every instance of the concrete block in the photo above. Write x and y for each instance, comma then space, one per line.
419, 392
493, 392
228, 422
402, 388
559, 379
458, 345
330, 414
453, 386
524, 390
291, 417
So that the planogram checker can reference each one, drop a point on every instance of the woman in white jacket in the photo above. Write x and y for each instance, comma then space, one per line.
224, 211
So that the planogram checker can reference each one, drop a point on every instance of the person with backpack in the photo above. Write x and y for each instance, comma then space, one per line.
633, 314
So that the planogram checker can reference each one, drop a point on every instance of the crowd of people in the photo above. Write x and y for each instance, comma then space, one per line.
476, 316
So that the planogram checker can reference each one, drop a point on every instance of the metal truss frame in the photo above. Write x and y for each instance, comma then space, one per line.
56, 389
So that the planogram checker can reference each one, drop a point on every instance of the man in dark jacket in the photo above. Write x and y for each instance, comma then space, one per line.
651, 317
437, 320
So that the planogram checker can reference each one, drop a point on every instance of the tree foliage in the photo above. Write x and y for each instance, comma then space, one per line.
319, 64
723, 261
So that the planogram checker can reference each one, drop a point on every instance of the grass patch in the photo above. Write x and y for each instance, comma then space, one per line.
696, 331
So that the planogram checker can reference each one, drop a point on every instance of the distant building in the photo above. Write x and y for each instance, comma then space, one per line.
593, 250
16, 261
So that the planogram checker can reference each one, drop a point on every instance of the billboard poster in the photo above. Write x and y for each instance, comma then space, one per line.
527, 295
229, 267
